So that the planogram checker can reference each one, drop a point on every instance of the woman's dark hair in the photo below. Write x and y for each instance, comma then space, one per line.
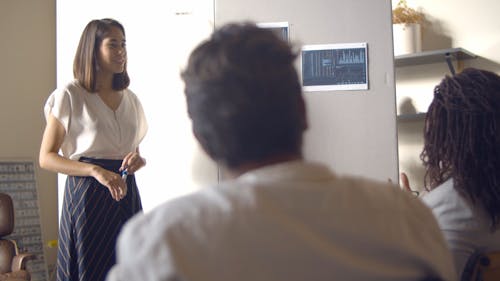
462, 138
244, 96
85, 64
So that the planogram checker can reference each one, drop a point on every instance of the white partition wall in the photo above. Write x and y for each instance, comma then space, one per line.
352, 131
160, 35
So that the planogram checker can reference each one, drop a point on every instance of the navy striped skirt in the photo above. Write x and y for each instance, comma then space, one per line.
90, 223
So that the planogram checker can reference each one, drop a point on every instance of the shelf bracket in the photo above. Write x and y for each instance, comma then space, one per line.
450, 64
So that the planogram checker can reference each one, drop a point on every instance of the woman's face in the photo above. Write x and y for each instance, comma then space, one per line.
112, 52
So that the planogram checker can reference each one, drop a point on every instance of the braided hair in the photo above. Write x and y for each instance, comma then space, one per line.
462, 139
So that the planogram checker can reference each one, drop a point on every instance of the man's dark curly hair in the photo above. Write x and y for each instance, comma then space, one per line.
243, 95
462, 139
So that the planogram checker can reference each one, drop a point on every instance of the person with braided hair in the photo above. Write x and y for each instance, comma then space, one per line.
461, 156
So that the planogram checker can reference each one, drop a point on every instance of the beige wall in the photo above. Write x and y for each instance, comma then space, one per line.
27, 76
472, 25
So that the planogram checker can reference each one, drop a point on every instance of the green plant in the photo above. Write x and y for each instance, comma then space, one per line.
404, 14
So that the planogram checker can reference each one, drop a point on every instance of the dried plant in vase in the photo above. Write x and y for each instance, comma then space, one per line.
404, 14
406, 29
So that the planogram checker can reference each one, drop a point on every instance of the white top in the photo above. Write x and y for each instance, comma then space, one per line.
465, 228
92, 128
291, 221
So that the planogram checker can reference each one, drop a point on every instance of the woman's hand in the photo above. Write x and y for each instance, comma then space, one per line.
112, 181
132, 162
405, 184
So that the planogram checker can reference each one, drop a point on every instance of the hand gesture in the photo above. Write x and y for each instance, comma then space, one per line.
405, 184
113, 182
132, 162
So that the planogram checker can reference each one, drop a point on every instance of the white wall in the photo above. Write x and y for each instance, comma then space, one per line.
160, 36
472, 25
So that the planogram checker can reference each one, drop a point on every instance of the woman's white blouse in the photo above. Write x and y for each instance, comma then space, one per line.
92, 128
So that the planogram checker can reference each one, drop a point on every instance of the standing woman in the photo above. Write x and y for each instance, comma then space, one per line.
97, 123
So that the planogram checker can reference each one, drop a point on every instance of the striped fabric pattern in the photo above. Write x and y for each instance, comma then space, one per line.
90, 223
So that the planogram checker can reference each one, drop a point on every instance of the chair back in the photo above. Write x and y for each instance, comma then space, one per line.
7, 247
7, 253
6, 215
482, 267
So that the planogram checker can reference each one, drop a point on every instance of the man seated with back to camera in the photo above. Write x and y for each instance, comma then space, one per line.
278, 217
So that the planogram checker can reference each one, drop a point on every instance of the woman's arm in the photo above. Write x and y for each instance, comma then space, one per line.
50, 159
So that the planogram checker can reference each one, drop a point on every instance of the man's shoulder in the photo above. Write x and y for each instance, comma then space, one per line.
144, 244
382, 196
373, 188
171, 213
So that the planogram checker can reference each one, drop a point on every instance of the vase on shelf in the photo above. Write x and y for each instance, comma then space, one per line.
407, 38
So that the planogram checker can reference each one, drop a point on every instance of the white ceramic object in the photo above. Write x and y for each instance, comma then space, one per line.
407, 38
